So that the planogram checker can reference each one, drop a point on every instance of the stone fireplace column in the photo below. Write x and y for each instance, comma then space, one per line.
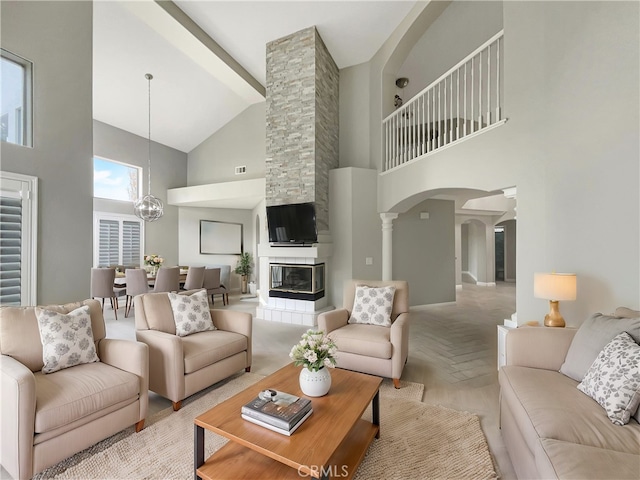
387, 244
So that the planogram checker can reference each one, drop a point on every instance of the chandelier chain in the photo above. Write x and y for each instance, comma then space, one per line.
147, 207
149, 77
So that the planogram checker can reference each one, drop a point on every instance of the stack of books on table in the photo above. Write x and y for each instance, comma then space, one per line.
277, 411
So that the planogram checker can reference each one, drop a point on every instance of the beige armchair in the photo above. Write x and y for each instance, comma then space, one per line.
49, 417
371, 349
182, 366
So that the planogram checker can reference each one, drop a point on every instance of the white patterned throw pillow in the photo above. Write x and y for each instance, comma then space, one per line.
67, 339
613, 380
191, 313
373, 305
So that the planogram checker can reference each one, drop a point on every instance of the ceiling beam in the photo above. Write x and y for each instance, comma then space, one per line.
176, 27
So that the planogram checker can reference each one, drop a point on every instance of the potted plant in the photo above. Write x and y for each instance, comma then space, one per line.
244, 269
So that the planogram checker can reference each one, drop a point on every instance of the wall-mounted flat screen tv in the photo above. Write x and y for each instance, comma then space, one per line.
292, 224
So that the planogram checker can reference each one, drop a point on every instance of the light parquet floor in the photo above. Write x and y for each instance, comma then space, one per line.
453, 352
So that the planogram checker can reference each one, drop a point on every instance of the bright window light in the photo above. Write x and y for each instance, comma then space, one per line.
15, 99
115, 181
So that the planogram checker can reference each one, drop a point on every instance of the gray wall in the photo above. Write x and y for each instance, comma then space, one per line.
462, 28
240, 142
354, 116
57, 38
168, 170
355, 227
189, 237
424, 252
464, 249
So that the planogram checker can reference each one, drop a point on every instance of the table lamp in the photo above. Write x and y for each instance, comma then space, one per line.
554, 287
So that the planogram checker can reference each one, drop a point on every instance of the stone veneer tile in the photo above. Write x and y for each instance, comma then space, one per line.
302, 122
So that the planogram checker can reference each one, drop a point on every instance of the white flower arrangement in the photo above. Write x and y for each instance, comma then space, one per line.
314, 351
153, 260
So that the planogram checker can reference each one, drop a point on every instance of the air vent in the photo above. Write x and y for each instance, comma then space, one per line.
240, 170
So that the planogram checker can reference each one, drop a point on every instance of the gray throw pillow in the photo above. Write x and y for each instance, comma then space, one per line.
625, 312
614, 379
373, 305
191, 313
67, 339
591, 338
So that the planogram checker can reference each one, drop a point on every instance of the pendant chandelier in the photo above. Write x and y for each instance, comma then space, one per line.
148, 207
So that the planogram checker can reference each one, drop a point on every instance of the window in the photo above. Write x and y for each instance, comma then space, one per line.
18, 234
115, 180
15, 99
117, 240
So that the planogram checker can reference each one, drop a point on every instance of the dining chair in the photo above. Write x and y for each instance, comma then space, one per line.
137, 284
212, 285
167, 279
102, 286
195, 278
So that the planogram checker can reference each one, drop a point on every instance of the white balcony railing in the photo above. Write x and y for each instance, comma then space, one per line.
462, 102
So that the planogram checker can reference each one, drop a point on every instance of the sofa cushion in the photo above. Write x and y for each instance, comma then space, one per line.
547, 404
368, 340
207, 348
75, 393
558, 459
191, 313
373, 305
590, 339
614, 379
67, 339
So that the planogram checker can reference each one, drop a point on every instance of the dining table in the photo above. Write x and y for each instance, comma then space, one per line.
121, 281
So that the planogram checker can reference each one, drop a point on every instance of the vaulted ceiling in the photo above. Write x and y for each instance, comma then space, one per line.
186, 46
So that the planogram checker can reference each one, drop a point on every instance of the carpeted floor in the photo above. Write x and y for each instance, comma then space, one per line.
417, 441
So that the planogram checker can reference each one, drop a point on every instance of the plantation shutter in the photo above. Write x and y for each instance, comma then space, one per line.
130, 243
109, 244
10, 250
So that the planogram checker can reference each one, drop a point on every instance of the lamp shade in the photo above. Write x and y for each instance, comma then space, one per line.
554, 286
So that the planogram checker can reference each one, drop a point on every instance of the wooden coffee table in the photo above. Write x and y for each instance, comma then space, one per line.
331, 443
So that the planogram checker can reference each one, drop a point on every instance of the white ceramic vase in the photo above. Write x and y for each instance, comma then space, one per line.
315, 384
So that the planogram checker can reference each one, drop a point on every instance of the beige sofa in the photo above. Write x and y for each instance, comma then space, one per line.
182, 366
371, 349
49, 417
550, 428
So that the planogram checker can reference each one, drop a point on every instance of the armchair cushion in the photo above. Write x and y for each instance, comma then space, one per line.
74, 394
367, 340
373, 305
191, 313
67, 339
208, 348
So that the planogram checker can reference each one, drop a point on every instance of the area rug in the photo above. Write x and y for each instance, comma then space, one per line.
417, 441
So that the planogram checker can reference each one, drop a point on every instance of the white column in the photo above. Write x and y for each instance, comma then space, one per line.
387, 244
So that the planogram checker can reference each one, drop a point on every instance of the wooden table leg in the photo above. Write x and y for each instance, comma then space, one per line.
198, 449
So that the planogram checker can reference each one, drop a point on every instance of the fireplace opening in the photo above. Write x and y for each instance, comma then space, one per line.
298, 282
